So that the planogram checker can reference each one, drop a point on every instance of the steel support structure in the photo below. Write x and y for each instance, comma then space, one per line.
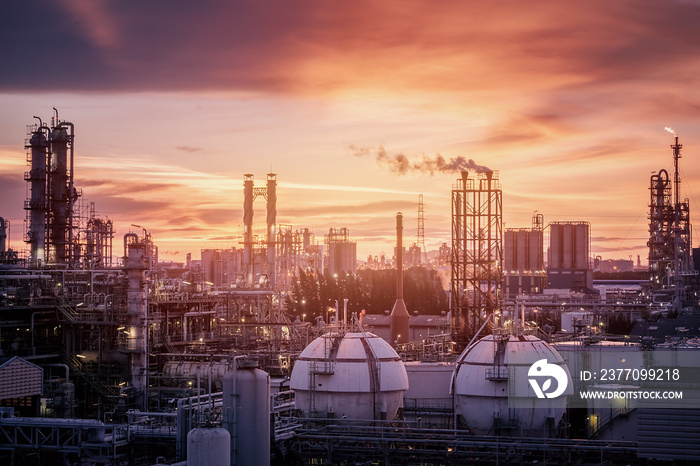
660, 231
250, 193
477, 251
93, 441
412, 444
670, 239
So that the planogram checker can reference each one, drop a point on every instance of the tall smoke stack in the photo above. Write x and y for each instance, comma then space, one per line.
248, 228
271, 226
399, 319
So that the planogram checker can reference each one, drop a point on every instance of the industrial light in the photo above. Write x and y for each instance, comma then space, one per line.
80, 356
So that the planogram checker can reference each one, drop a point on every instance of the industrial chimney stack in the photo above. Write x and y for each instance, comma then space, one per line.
399, 319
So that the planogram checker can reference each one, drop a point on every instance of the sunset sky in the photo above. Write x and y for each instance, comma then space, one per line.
174, 101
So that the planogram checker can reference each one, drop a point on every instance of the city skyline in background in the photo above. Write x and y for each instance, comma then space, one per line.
347, 104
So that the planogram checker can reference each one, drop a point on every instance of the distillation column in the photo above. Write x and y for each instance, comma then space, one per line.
37, 205
660, 231
58, 195
135, 266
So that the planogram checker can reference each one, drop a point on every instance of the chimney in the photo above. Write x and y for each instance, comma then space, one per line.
271, 227
399, 319
248, 228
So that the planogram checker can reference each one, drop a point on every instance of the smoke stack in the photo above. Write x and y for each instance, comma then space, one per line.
271, 226
399, 319
248, 228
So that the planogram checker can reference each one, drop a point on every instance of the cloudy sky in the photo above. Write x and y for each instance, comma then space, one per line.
174, 101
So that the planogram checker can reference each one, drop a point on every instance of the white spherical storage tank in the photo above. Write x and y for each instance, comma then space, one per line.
208, 446
511, 385
352, 375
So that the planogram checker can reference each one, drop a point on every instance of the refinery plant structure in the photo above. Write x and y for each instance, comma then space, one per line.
130, 360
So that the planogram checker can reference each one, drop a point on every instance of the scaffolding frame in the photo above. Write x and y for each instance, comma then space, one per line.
477, 251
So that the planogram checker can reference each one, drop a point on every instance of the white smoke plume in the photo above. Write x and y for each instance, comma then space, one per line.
670, 130
401, 164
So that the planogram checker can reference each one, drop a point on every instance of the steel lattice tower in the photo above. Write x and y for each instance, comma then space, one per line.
421, 230
477, 251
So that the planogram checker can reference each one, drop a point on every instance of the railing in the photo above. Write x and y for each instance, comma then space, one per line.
95, 382
497, 373
87, 438
324, 367
67, 311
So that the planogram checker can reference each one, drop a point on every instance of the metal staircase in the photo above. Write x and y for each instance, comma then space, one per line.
77, 367
66, 310
326, 366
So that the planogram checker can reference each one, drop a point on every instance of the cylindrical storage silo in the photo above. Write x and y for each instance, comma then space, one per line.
535, 253
355, 375
509, 251
208, 446
555, 246
247, 414
567, 253
521, 250
581, 241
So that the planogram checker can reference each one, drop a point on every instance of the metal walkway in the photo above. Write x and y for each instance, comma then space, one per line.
101, 443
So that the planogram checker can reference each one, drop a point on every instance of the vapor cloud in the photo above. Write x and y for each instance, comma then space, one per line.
189, 149
402, 165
